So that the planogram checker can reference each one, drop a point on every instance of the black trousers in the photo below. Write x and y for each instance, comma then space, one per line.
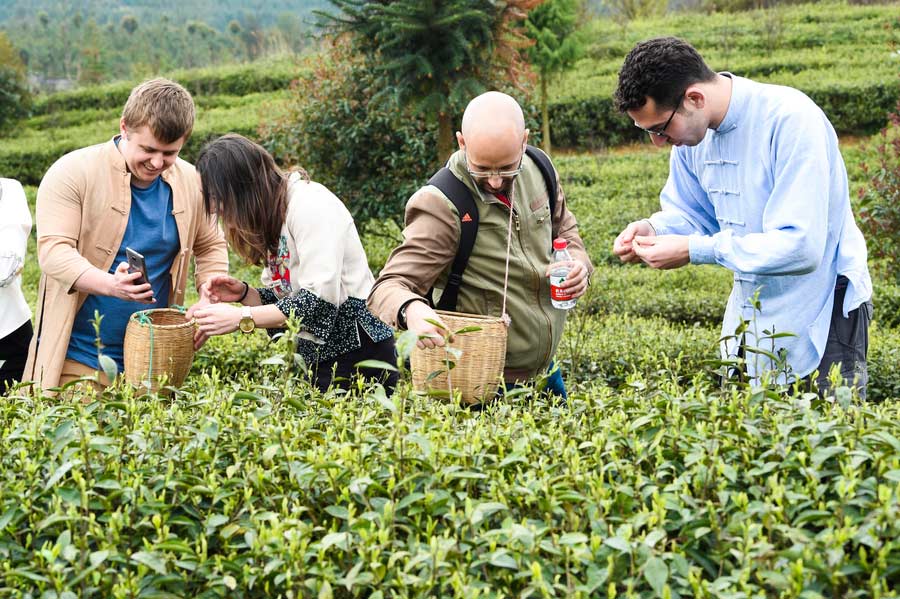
14, 354
848, 343
341, 370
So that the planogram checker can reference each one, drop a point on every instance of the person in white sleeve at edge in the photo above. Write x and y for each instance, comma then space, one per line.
756, 184
15, 315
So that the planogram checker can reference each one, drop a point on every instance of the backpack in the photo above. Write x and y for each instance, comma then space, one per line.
462, 199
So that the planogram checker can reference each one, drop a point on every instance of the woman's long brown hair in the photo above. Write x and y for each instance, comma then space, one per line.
246, 189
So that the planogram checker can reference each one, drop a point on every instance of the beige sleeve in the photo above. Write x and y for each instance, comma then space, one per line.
565, 226
58, 216
430, 241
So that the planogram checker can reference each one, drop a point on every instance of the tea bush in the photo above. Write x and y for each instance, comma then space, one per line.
372, 152
236, 80
879, 198
614, 348
265, 487
15, 97
884, 363
695, 296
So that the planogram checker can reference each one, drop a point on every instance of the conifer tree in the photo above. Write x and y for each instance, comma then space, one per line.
433, 54
557, 45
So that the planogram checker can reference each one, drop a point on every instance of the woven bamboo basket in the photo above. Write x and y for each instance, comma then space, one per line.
164, 347
478, 371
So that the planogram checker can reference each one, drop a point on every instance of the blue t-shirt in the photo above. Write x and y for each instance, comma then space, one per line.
151, 231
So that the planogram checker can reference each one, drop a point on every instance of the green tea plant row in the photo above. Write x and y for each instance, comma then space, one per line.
256, 485
28, 156
852, 107
236, 80
844, 57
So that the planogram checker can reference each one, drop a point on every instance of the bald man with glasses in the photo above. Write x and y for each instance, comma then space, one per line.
493, 165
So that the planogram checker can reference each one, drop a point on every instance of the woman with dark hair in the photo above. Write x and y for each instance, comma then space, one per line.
314, 265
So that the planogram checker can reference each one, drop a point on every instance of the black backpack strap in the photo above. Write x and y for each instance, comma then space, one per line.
459, 194
547, 171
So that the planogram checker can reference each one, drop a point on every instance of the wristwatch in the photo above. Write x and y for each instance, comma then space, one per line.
401, 314
247, 324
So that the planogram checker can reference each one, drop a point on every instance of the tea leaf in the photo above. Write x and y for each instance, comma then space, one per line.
657, 573
341, 540
618, 544
484, 510
109, 366
152, 560
59, 473
437, 324
573, 538
375, 364
468, 329
503, 559
338, 511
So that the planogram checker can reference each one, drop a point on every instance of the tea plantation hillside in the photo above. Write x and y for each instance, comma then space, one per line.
844, 56
235, 99
655, 479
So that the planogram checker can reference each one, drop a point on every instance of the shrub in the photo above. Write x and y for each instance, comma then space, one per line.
372, 154
883, 363
886, 298
613, 348
879, 201
694, 295
15, 98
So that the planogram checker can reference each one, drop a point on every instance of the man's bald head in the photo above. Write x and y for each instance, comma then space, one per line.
493, 114
493, 137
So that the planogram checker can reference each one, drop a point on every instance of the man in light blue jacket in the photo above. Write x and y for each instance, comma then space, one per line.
756, 184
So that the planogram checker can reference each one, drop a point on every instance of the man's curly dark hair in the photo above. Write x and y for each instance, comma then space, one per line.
661, 68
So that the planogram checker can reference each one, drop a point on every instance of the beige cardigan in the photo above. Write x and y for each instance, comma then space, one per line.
83, 205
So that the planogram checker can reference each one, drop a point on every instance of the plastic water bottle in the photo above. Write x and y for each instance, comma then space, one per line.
560, 299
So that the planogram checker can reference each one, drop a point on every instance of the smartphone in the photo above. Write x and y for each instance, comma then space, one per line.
136, 264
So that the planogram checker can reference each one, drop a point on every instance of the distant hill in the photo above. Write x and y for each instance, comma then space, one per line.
216, 13
73, 43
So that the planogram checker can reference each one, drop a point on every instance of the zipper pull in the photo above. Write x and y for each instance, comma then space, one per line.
516, 216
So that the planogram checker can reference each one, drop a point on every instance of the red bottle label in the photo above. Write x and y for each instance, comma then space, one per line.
557, 293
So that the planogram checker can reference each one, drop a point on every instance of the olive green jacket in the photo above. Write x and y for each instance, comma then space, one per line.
431, 238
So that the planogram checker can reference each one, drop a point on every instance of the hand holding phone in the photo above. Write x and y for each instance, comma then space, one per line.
136, 263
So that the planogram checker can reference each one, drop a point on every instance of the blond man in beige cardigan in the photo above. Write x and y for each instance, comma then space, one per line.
83, 208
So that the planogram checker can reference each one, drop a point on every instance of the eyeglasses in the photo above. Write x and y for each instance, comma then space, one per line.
482, 175
661, 132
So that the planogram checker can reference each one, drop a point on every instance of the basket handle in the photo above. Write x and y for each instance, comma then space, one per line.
144, 318
504, 317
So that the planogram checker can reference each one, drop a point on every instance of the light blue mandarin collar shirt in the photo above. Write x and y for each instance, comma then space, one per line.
765, 195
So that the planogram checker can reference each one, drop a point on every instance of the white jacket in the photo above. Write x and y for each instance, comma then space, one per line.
15, 226
320, 250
